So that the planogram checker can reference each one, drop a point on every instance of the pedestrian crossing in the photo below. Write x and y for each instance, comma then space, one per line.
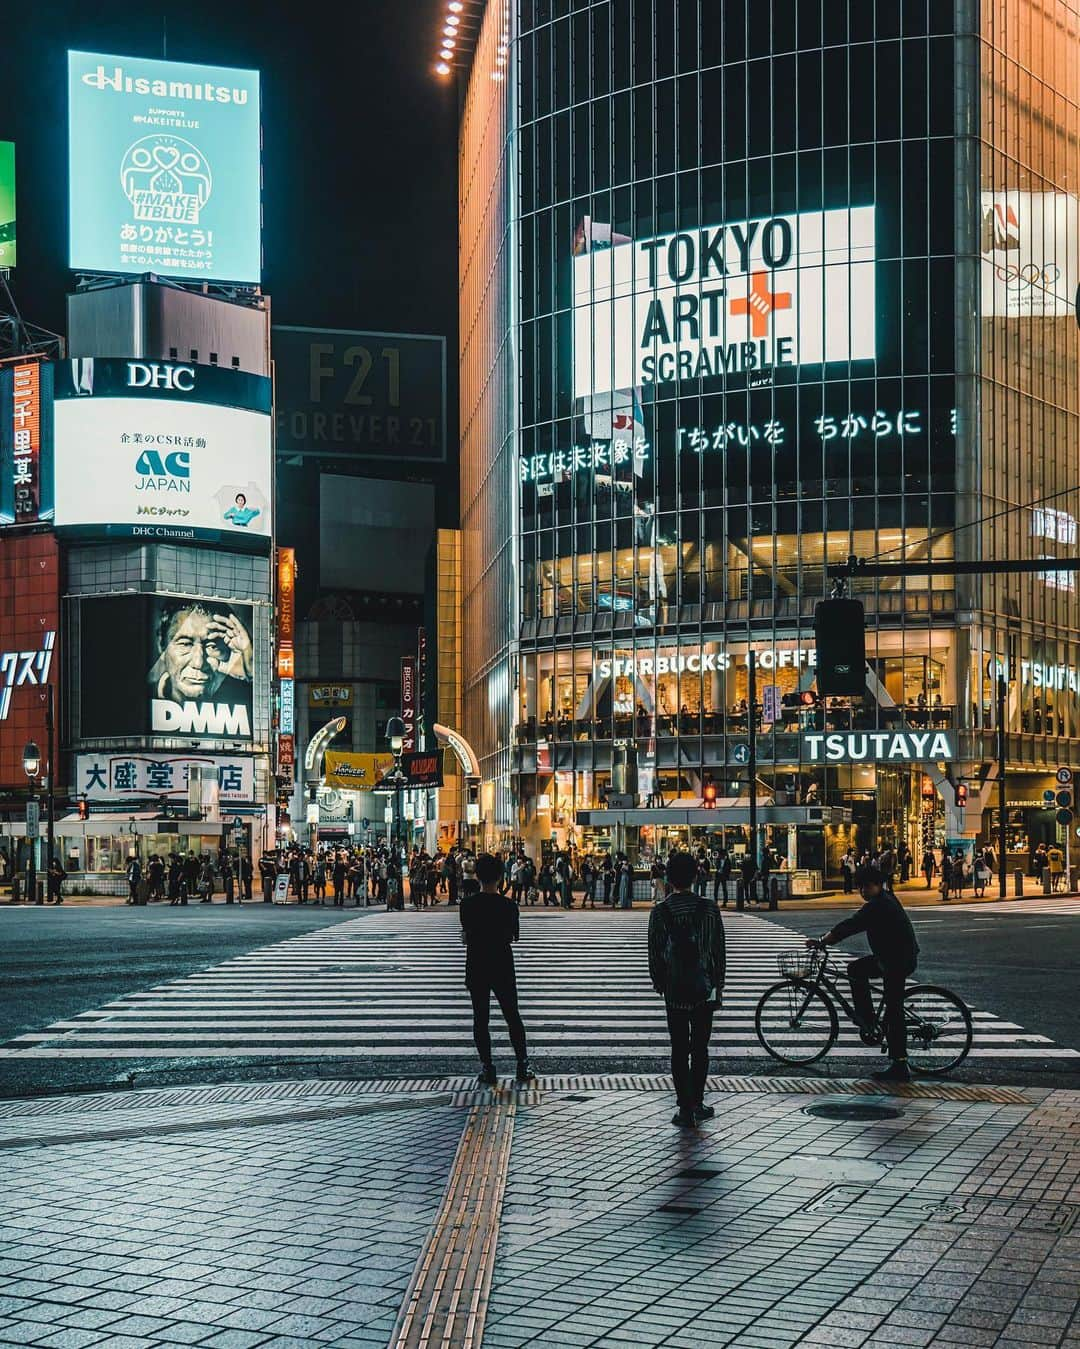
1063, 907
390, 986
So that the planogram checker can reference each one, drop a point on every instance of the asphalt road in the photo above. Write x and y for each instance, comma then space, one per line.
1016, 962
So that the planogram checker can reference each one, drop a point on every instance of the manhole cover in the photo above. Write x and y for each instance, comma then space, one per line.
854, 1110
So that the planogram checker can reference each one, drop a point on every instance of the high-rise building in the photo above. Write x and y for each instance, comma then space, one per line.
746, 288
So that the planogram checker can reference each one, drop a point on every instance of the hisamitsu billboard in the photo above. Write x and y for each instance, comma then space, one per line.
164, 168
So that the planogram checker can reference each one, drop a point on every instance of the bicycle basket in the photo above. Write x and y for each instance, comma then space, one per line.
802, 964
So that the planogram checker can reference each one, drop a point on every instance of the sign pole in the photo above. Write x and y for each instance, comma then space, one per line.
751, 726
1003, 832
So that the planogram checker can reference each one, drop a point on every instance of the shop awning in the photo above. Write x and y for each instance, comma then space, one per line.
139, 822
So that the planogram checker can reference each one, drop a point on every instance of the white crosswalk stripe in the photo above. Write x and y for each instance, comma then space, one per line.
391, 985
1063, 907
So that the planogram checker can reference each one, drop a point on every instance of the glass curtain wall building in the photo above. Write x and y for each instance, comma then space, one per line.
781, 284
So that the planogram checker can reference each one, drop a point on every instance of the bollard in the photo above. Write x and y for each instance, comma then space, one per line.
1018, 884
1046, 881
774, 894
740, 895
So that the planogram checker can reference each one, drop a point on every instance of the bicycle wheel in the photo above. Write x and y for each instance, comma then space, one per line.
796, 1022
938, 1029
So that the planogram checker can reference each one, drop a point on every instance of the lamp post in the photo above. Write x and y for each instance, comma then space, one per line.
31, 767
395, 734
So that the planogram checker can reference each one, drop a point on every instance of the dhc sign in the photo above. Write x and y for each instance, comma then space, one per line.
878, 746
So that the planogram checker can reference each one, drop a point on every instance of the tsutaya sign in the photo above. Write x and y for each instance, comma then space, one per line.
738, 298
699, 661
857, 746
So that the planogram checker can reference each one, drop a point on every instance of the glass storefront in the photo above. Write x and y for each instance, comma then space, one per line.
745, 246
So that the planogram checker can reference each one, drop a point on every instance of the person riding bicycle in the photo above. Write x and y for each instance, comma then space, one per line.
895, 955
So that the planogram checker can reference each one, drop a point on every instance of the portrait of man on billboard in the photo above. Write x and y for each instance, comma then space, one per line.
201, 675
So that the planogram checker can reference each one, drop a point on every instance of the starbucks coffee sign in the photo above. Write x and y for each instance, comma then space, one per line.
878, 747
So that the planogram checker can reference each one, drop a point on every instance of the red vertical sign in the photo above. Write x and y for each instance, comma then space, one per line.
408, 703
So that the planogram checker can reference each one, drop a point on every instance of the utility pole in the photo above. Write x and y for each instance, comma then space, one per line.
50, 794
751, 726
1002, 688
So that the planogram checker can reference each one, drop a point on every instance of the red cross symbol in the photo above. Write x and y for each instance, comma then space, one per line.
760, 303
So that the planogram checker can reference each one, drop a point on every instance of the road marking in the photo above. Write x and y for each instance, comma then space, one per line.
386, 985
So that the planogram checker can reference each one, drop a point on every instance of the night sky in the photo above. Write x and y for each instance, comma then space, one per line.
359, 148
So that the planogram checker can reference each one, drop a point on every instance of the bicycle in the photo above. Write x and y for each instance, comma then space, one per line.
797, 1023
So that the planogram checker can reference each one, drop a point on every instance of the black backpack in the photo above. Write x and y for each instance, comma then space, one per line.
687, 982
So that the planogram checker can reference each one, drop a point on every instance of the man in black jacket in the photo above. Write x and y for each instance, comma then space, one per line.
895, 955
489, 922
686, 967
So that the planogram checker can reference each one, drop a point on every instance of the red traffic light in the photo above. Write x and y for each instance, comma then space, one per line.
84, 808
961, 795
708, 795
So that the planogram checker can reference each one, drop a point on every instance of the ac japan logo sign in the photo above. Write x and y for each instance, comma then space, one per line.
736, 298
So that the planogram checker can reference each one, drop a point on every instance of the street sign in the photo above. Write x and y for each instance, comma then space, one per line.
1064, 817
237, 822
741, 753
281, 888
33, 819
1064, 776
365, 823
770, 704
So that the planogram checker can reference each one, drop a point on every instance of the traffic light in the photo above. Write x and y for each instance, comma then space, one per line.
961, 795
84, 808
708, 795
840, 633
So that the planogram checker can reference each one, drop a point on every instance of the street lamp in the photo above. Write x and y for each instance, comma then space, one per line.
31, 759
395, 734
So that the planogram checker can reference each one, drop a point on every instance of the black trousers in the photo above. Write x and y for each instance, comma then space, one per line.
504, 985
859, 973
690, 1030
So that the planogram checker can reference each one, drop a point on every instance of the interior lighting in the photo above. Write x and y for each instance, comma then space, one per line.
452, 20
442, 68
455, 6
450, 32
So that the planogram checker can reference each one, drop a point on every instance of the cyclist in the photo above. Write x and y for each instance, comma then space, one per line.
895, 955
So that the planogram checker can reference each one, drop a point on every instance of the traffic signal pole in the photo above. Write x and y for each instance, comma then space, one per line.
1002, 686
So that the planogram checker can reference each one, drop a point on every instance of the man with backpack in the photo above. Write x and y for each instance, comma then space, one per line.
686, 966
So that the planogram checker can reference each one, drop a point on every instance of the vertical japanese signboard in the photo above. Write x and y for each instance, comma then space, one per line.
408, 703
421, 687
26, 441
286, 664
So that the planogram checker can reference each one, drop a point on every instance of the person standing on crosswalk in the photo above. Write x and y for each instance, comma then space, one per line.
489, 923
687, 962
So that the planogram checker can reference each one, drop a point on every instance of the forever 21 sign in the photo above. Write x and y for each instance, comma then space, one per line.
878, 746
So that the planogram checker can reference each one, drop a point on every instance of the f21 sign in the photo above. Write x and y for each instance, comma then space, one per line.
737, 298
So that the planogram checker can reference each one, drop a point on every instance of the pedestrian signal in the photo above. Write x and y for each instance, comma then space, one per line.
708, 795
84, 808
961, 795
840, 633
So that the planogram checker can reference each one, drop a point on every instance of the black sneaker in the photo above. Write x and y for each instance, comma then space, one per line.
896, 1072
704, 1112
487, 1075
524, 1073
684, 1119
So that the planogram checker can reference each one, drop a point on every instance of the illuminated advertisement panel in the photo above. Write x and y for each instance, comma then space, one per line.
163, 451
1030, 245
164, 168
26, 480
736, 298
29, 623
7, 204
194, 679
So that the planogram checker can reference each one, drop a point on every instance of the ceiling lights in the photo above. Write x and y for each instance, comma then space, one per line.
458, 33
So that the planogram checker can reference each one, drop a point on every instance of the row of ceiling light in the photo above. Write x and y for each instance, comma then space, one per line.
459, 31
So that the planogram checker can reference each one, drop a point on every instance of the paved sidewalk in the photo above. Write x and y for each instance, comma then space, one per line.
430, 1212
